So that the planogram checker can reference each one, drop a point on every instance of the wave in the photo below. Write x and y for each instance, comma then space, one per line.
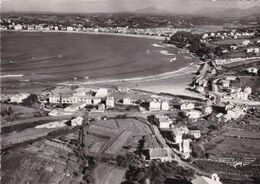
166, 75
157, 45
165, 52
9, 76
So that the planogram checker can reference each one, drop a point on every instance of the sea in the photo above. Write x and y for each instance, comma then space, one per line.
43, 58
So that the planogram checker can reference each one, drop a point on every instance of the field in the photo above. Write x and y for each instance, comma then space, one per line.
38, 164
49, 58
235, 144
20, 112
116, 136
107, 174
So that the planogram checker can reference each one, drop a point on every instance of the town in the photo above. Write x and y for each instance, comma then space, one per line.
94, 133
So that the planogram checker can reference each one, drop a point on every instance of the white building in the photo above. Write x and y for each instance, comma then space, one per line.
162, 154
69, 28
225, 83
55, 99
18, 27
154, 105
235, 113
127, 101
101, 93
195, 133
186, 146
208, 110
165, 105
96, 101
252, 70
77, 121
18, 98
178, 137
252, 50
110, 102
245, 42
187, 106
164, 121
194, 115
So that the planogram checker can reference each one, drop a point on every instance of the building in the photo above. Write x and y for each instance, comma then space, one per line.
245, 42
252, 70
154, 105
208, 110
69, 28
101, 93
186, 146
75, 107
164, 121
206, 180
110, 102
178, 136
162, 154
187, 106
18, 98
55, 99
195, 133
77, 121
127, 101
234, 113
242, 94
18, 27
165, 105
96, 101
252, 50
194, 115
225, 83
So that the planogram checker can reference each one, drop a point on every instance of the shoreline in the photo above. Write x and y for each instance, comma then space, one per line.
167, 75
91, 33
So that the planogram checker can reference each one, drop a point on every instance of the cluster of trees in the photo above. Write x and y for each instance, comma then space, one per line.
31, 101
156, 173
7, 112
192, 42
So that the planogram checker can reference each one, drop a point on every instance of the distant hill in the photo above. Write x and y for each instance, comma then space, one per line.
229, 12
149, 10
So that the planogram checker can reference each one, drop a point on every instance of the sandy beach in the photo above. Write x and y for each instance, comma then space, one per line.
93, 33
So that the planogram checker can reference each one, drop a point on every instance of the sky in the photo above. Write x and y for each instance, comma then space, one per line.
92, 6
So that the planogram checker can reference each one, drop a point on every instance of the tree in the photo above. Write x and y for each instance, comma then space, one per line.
10, 111
31, 101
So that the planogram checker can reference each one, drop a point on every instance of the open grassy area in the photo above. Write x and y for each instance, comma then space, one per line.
20, 112
115, 136
229, 144
108, 174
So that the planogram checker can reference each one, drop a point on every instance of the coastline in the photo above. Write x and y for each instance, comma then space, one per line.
93, 33
176, 73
